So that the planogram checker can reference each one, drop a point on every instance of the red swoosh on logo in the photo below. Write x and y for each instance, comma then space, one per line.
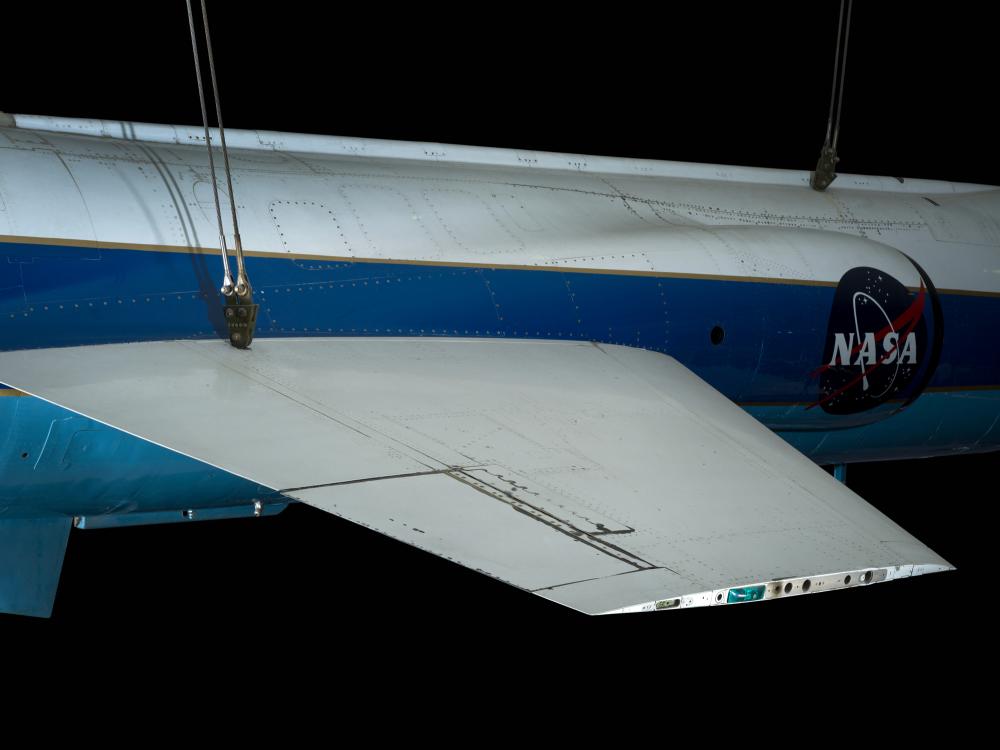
909, 318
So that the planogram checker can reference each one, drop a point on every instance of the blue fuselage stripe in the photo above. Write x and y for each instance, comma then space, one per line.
774, 333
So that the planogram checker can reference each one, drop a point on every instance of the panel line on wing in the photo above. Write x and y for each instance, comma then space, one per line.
267, 382
601, 578
549, 519
378, 479
250, 371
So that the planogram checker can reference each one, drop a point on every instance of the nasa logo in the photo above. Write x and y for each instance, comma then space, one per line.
877, 342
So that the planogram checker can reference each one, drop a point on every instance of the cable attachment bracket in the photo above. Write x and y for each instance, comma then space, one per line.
241, 317
826, 168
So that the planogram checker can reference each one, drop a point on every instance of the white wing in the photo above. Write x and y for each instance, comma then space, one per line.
604, 478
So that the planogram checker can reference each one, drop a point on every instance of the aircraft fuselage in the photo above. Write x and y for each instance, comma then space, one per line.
857, 323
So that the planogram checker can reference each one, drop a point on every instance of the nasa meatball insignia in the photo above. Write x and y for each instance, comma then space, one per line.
876, 343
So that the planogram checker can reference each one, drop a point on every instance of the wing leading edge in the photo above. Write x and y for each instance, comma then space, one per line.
604, 478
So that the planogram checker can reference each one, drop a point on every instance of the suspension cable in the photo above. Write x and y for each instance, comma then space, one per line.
826, 167
240, 311
242, 281
836, 68
227, 282
843, 74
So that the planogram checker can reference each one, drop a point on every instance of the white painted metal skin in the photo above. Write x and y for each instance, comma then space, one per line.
409, 201
604, 478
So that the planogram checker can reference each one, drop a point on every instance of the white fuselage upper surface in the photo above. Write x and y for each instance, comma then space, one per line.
132, 184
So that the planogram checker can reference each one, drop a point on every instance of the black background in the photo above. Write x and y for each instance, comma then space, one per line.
740, 83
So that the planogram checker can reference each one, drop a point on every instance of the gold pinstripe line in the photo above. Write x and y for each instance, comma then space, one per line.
102, 245
399, 261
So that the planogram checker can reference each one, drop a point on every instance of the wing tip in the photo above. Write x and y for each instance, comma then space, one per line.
783, 588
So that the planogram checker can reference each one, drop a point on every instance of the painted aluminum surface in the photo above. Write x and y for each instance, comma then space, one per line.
107, 234
601, 477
